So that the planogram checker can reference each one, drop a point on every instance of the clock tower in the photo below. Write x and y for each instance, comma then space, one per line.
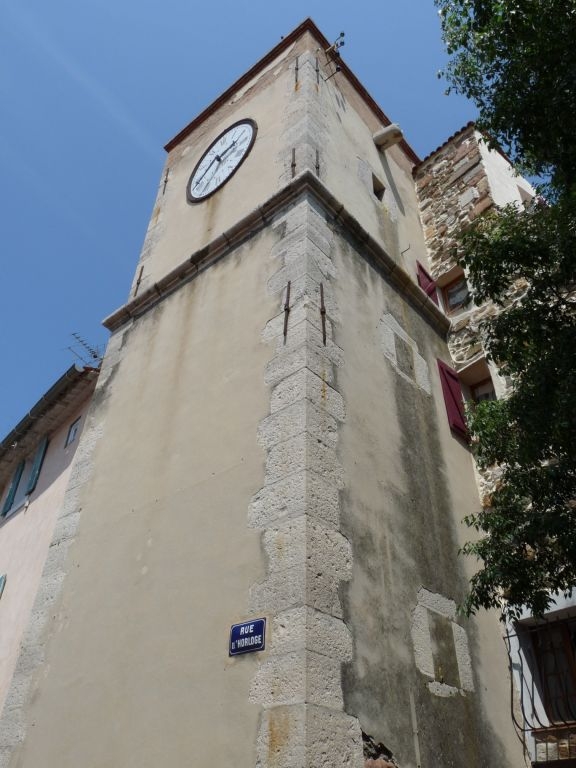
264, 564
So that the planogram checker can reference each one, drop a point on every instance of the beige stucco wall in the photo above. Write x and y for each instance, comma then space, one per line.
139, 673
409, 483
178, 228
350, 157
505, 182
25, 536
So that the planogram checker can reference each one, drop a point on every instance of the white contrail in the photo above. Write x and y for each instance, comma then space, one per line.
105, 99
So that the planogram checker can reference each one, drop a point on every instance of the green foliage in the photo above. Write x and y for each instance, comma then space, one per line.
529, 551
517, 60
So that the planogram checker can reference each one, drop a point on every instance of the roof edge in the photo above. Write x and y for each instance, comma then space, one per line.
306, 26
62, 386
430, 155
305, 182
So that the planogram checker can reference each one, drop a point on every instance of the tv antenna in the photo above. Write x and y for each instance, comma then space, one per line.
332, 54
87, 354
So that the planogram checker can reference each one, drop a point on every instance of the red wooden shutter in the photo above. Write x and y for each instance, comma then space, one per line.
453, 399
426, 282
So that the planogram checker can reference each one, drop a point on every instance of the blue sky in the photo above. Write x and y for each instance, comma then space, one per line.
91, 90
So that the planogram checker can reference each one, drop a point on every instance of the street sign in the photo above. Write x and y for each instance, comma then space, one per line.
247, 637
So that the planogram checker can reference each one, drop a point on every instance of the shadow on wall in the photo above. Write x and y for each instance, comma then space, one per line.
391, 183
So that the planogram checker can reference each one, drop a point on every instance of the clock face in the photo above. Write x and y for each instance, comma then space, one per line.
221, 160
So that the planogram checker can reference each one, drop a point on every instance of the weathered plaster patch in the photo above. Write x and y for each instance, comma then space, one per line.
424, 647
395, 344
463, 657
442, 690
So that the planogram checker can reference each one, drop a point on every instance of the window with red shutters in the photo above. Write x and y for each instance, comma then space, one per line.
453, 399
426, 282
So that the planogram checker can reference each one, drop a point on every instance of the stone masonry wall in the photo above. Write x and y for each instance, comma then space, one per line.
298, 511
453, 190
303, 721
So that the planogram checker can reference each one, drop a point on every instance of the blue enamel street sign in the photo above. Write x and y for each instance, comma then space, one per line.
248, 637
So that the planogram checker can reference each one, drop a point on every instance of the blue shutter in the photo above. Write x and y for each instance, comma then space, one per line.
37, 465
13, 488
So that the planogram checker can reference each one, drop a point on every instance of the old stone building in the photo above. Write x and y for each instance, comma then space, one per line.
458, 182
274, 461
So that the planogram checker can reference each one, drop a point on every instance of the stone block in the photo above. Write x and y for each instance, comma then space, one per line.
286, 363
302, 492
306, 384
467, 197
333, 739
280, 680
303, 452
281, 739
280, 591
323, 681
420, 631
295, 268
301, 416
304, 541
304, 308
463, 167
481, 207
286, 498
305, 628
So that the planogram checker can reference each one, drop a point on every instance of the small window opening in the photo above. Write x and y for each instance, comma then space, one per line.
484, 390
72, 432
456, 295
377, 187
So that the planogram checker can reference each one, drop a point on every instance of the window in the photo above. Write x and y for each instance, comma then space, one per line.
543, 662
377, 187
455, 295
554, 645
476, 380
483, 390
10, 499
37, 465
453, 399
72, 432
24, 479
426, 282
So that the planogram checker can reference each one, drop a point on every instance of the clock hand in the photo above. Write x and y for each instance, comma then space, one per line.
223, 155
219, 158
210, 164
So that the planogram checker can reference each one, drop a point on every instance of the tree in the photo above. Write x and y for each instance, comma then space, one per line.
516, 59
